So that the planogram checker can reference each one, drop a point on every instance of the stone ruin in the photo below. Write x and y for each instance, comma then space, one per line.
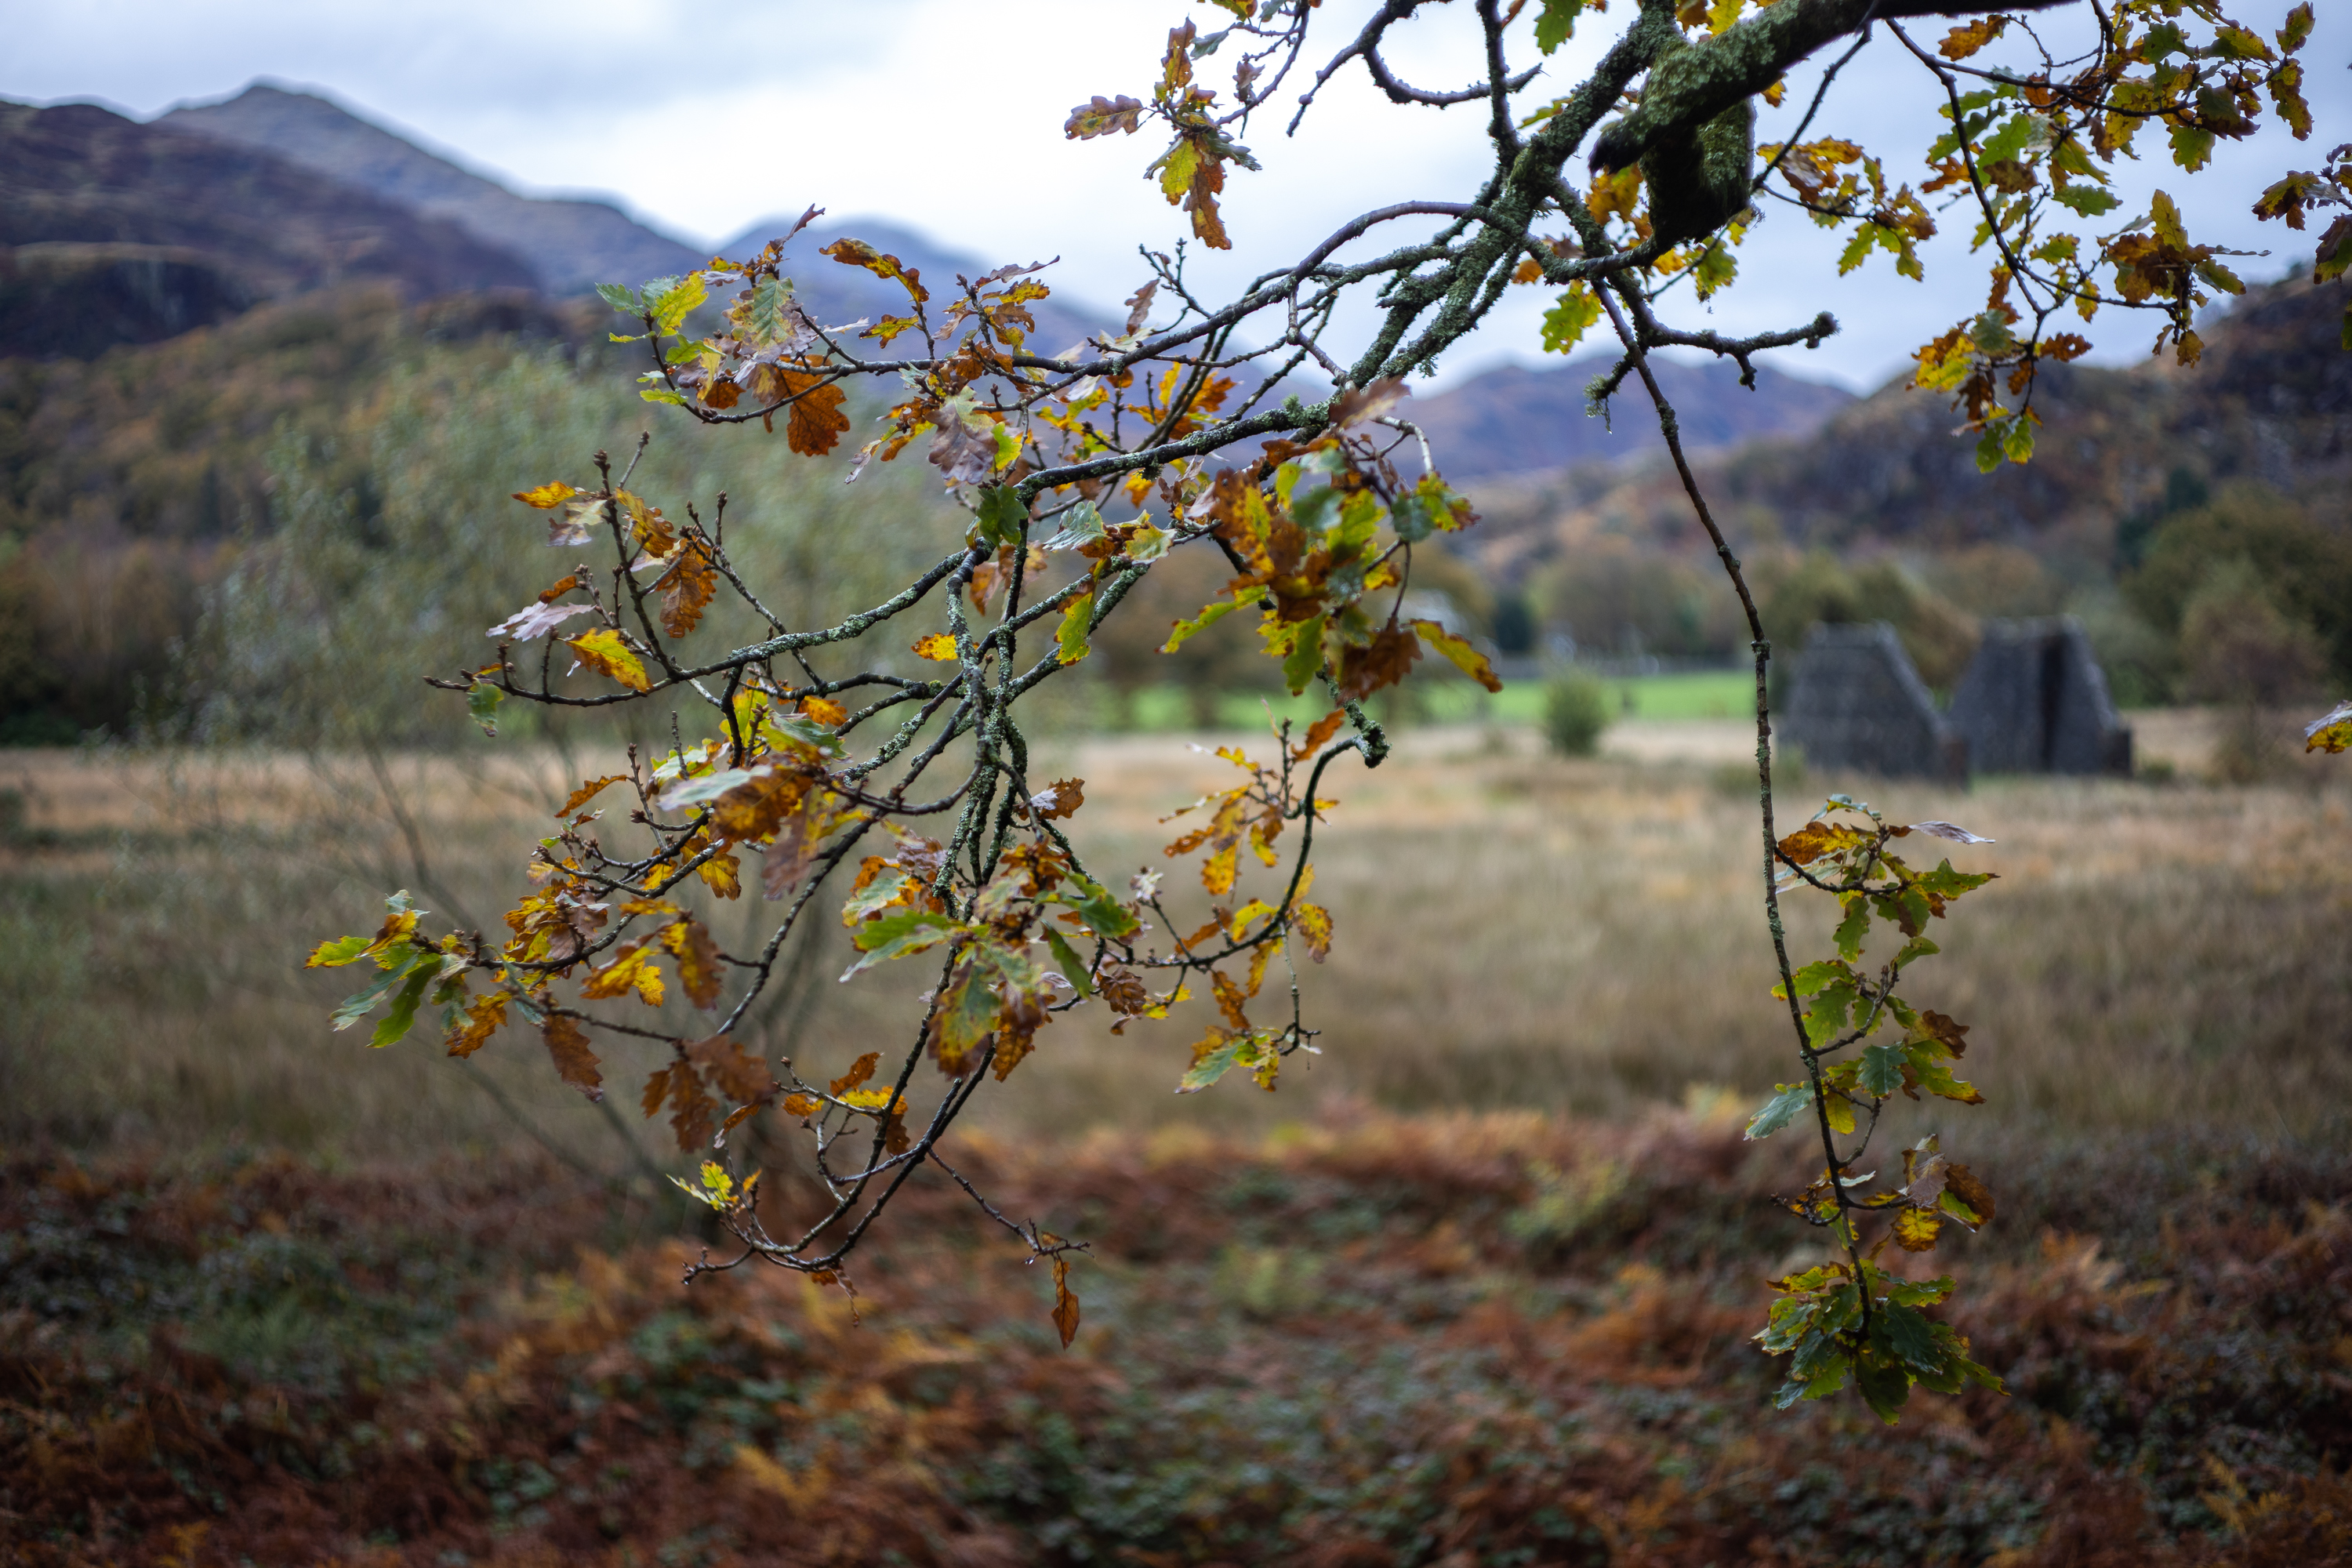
1855, 702
2033, 700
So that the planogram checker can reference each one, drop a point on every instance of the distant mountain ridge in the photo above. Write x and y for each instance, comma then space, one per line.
114, 232
1515, 422
2271, 402
570, 244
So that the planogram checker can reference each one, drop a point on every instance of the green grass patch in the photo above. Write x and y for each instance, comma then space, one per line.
1444, 697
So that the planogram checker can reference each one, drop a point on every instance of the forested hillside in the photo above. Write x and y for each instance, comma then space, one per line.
2149, 484
114, 232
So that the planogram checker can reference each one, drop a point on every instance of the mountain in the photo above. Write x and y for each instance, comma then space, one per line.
2270, 402
114, 232
570, 244
1513, 421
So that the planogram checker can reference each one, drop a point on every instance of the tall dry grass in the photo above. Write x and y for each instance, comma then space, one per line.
1513, 930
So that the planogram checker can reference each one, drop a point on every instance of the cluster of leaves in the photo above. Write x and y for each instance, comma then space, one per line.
1851, 1320
2032, 148
1083, 469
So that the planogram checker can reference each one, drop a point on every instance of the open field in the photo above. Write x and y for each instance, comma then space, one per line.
1514, 930
1473, 1286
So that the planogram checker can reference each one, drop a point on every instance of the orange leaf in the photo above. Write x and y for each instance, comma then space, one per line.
482, 1019
698, 967
817, 423
859, 1071
686, 590
824, 711
588, 792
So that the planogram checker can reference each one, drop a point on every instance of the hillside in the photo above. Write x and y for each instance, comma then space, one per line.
2272, 403
1513, 421
113, 232
570, 245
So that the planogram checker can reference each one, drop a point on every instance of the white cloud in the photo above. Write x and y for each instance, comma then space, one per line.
946, 116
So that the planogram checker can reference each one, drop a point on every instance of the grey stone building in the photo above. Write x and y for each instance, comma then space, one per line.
1856, 701
2034, 701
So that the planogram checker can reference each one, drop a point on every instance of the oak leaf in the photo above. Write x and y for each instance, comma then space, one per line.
553, 493
482, 1018
588, 792
575, 1064
686, 590
603, 651
1099, 116
698, 967
816, 424
535, 621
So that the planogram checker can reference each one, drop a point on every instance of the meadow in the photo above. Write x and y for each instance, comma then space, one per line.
1473, 1285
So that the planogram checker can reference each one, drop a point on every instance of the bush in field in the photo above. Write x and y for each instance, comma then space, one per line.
1576, 710
2249, 540
880, 757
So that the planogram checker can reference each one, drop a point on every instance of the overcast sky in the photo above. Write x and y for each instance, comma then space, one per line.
946, 115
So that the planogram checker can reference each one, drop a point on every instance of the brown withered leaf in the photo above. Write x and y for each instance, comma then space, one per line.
1935, 1026
789, 856
964, 453
657, 1089
1358, 404
1099, 116
686, 590
859, 1071
733, 1071
1139, 307
575, 1064
1963, 1184
1123, 990
1364, 670
816, 424
857, 253
801, 1105
1065, 1302
698, 967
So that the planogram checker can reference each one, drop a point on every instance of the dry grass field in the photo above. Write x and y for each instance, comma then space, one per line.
1475, 1286
1515, 931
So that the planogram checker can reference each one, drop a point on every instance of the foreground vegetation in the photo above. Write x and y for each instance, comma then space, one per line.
1494, 1338
258, 1305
